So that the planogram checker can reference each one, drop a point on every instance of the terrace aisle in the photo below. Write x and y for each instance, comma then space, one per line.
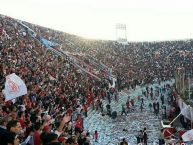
111, 130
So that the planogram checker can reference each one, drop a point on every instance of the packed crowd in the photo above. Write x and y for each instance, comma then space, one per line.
59, 94
134, 63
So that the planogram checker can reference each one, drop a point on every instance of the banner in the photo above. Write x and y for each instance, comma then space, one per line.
191, 114
14, 87
114, 83
47, 43
188, 136
186, 111
180, 103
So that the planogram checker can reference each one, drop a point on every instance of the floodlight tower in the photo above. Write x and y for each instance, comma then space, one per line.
121, 33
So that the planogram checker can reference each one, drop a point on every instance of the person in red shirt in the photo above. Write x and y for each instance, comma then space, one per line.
132, 102
21, 116
14, 113
69, 111
85, 108
96, 135
37, 134
78, 125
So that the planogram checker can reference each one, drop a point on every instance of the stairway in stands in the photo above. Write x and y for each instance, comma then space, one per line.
111, 130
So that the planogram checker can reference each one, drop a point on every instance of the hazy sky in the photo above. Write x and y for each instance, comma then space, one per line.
145, 19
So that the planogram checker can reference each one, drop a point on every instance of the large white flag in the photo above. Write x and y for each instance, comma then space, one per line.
186, 111
14, 87
188, 136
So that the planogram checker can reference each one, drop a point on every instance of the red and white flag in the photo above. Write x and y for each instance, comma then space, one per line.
188, 136
14, 87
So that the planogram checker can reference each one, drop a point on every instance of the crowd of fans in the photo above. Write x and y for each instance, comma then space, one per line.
59, 94
133, 63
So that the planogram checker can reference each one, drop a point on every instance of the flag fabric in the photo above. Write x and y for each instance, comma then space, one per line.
180, 103
113, 84
188, 136
14, 87
185, 111
182, 53
52, 78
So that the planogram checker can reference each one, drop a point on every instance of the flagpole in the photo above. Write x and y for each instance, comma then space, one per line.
178, 115
175, 118
57, 69
190, 115
183, 78
189, 86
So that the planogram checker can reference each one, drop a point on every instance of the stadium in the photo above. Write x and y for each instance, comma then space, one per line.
61, 88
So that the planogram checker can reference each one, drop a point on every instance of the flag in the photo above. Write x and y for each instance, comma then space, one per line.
182, 53
52, 78
113, 83
185, 111
14, 87
157, 54
188, 136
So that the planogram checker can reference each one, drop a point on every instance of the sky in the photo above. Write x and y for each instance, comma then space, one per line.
145, 20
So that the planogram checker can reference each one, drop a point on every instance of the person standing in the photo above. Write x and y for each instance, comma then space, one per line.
147, 90
128, 107
132, 102
138, 138
123, 110
145, 138
151, 95
140, 135
13, 139
109, 110
150, 107
123, 142
85, 109
96, 136
109, 97
37, 134
154, 107
162, 99
142, 101
157, 107
101, 106
141, 107
128, 98
3, 130
116, 96
151, 89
